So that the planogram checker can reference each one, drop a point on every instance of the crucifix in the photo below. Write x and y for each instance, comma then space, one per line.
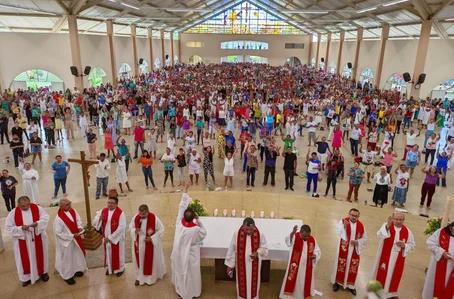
92, 238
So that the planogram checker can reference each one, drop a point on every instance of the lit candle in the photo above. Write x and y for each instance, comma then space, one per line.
262, 214
215, 213
272, 215
224, 213
233, 213
243, 213
447, 212
252, 214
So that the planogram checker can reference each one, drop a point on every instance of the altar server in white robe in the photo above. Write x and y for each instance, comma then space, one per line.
70, 259
27, 224
396, 242
30, 179
246, 251
147, 231
439, 281
112, 221
352, 241
304, 256
185, 257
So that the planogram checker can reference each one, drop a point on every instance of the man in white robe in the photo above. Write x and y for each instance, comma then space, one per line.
185, 255
247, 249
146, 238
396, 242
70, 259
30, 179
112, 222
27, 224
352, 241
439, 281
303, 258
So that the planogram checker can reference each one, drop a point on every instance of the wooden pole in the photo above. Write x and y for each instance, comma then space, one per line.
447, 211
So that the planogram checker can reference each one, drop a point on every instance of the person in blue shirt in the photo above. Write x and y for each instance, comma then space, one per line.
442, 167
230, 138
313, 168
61, 170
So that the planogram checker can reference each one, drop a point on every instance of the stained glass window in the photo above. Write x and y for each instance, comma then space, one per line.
245, 18
346, 71
35, 79
332, 68
396, 81
96, 75
366, 76
448, 86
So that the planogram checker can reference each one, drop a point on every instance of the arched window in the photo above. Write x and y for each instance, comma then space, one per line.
95, 78
444, 91
396, 82
346, 71
143, 68
34, 79
293, 62
125, 71
244, 45
157, 64
366, 76
194, 59
313, 62
332, 68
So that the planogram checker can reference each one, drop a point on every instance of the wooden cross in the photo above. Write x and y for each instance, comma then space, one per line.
92, 239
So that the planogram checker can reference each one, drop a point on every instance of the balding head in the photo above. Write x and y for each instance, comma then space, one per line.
24, 203
398, 219
65, 204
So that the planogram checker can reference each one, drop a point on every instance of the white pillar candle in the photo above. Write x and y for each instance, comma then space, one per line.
233, 213
262, 214
272, 215
447, 212
215, 212
224, 213
252, 214
243, 213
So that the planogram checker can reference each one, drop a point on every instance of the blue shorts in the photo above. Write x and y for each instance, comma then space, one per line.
411, 164
35, 149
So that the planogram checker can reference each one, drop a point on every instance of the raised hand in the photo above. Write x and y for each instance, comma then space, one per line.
390, 221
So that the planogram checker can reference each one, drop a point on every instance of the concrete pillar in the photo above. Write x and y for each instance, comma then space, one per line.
163, 63
327, 50
384, 39
317, 62
421, 55
339, 55
134, 49
309, 58
180, 59
359, 39
113, 63
150, 45
171, 49
75, 51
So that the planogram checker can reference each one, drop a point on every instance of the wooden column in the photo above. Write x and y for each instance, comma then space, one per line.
317, 62
134, 49
309, 56
384, 39
180, 59
421, 55
75, 51
327, 51
359, 38
339, 55
113, 63
163, 64
150, 45
171, 49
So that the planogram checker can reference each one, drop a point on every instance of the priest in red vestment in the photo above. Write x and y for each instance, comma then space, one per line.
352, 240
112, 222
396, 242
70, 259
440, 275
247, 249
27, 224
304, 256
146, 231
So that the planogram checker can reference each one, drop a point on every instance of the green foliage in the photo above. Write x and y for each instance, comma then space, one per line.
432, 225
198, 207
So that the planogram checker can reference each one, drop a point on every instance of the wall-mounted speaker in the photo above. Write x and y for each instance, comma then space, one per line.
421, 78
140, 60
407, 77
322, 59
74, 71
87, 70
349, 65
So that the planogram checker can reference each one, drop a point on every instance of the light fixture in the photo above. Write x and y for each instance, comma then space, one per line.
451, 19
14, 7
188, 10
366, 9
394, 2
129, 5
306, 11
112, 1
44, 13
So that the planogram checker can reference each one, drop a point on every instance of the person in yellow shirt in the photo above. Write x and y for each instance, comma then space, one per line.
278, 124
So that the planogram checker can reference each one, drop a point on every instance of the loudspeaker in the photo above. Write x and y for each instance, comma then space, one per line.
74, 71
167, 57
87, 70
407, 77
322, 59
421, 78
140, 60
349, 65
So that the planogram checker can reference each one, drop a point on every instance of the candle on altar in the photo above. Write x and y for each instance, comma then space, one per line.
252, 214
224, 213
262, 214
243, 213
215, 212
447, 212
272, 215
233, 213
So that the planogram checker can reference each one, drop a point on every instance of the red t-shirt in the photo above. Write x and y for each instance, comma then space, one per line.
244, 136
139, 134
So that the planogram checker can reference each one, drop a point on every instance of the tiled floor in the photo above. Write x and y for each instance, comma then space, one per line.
321, 214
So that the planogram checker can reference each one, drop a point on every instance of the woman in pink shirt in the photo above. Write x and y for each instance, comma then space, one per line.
388, 160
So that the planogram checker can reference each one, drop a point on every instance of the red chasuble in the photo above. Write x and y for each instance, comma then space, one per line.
72, 225
241, 262
343, 256
294, 264
114, 222
442, 290
39, 252
383, 265
149, 247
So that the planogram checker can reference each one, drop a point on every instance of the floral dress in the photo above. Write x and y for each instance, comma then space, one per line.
221, 146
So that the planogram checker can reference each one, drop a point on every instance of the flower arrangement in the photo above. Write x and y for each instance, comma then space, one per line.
198, 207
432, 225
